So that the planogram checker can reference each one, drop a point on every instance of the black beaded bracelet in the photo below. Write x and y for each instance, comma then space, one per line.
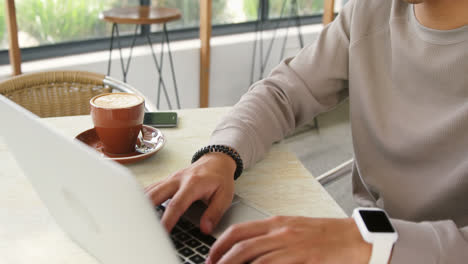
223, 149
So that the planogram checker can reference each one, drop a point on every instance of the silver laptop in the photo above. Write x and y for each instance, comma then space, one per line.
116, 224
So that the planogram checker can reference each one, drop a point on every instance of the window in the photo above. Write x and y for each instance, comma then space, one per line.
281, 8
223, 11
3, 41
43, 22
61, 27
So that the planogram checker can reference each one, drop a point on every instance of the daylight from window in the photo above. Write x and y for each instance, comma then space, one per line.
43, 22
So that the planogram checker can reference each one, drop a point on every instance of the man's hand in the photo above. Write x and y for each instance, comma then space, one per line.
284, 240
210, 179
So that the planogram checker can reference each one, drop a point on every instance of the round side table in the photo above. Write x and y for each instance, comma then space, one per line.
141, 16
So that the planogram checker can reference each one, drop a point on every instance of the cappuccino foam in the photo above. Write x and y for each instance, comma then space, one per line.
117, 100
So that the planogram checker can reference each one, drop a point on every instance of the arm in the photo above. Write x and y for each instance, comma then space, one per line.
295, 92
289, 239
430, 242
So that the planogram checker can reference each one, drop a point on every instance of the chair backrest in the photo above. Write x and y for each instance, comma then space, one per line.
60, 93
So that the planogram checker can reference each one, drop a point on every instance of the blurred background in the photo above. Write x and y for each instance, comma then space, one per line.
45, 22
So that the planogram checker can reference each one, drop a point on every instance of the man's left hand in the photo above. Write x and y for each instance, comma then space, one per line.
284, 239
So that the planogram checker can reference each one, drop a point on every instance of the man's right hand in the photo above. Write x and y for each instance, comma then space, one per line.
210, 179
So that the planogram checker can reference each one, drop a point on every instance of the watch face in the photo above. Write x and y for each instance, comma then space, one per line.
376, 221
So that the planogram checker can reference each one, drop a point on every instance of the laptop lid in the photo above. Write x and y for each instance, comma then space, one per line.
97, 202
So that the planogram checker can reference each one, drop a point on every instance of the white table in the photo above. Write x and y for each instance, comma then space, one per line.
278, 184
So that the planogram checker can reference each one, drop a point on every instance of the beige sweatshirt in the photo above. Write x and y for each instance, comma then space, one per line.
408, 91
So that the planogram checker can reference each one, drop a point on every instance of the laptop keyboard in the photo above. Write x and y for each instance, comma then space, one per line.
191, 244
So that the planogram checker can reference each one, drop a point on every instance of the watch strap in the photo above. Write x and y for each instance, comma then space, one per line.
381, 250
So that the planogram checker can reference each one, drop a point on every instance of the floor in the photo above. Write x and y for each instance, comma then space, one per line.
321, 150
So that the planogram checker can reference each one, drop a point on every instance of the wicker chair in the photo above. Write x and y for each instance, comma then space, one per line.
62, 93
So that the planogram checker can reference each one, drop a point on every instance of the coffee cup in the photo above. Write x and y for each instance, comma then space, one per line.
118, 118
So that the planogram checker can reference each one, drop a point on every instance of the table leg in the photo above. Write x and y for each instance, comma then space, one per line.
172, 66
135, 34
159, 70
110, 50
161, 66
298, 23
120, 52
285, 40
122, 63
275, 32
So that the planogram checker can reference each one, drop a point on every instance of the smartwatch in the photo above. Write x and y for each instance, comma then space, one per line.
376, 229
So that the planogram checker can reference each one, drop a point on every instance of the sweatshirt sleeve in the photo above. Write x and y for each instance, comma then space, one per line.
292, 95
430, 243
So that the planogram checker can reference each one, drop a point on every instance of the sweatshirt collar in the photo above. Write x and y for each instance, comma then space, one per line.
434, 36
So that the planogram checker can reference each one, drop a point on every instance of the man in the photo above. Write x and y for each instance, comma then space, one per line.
404, 65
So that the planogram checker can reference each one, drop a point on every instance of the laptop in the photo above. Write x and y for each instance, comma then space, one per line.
99, 203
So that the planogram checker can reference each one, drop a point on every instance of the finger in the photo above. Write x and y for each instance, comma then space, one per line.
235, 234
152, 186
253, 248
162, 192
216, 208
181, 201
278, 257
156, 184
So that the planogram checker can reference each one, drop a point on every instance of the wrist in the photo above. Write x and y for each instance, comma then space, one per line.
376, 229
361, 249
223, 159
225, 150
